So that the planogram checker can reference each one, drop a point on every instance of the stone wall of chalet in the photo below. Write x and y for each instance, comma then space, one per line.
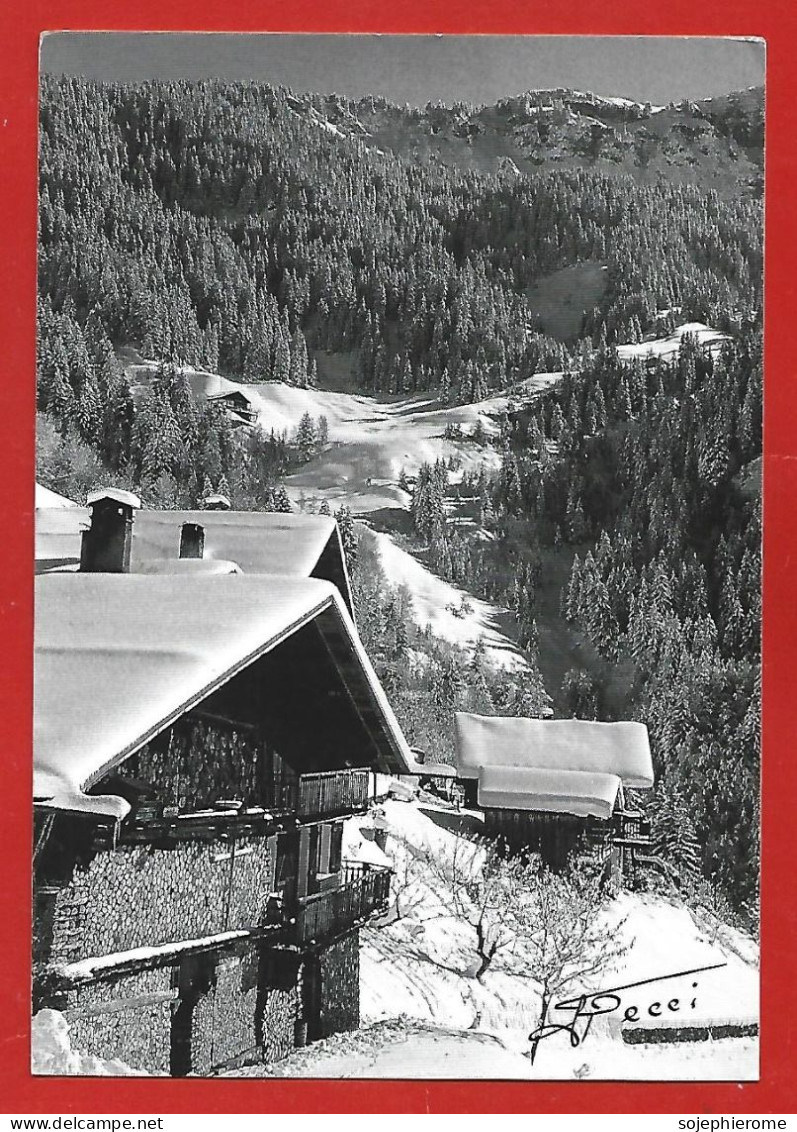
211, 1011
128, 1018
206, 1010
337, 1001
138, 895
278, 1009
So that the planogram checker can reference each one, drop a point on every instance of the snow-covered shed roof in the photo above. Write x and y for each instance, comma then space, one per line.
620, 749
259, 542
120, 657
579, 792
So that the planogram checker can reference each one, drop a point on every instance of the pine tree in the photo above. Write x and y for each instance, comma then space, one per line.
348, 537
305, 439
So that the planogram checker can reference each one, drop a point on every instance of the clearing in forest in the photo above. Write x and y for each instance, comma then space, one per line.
560, 299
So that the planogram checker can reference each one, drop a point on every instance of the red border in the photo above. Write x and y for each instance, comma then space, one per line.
20, 25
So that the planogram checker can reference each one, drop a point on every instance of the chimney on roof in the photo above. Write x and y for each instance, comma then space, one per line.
216, 503
105, 547
192, 540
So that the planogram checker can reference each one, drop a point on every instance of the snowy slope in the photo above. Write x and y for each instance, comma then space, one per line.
668, 347
434, 601
372, 441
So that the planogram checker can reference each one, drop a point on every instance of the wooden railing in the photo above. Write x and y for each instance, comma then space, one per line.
332, 792
631, 836
327, 793
630, 829
364, 890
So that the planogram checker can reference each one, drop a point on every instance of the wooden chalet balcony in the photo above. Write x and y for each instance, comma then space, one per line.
327, 794
331, 792
630, 830
364, 890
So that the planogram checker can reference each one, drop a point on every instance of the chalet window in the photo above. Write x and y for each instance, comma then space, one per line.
325, 841
315, 850
335, 847
287, 865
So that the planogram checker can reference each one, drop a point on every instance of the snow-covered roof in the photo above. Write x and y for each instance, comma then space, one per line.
258, 542
119, 657
579, 792
47, 498
620, 749
117, 494
58, 534
435, 770
241, 394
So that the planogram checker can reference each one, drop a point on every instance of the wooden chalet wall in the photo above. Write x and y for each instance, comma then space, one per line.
195, 763
553, 836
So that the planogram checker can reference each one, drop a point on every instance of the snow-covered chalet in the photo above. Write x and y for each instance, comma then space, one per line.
205, 721
552, 784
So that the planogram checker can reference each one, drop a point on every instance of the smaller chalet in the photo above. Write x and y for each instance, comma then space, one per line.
200, 735
548, 784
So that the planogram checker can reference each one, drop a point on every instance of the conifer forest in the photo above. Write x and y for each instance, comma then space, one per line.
244, 230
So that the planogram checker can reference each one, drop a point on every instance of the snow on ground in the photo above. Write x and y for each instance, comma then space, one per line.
372, 442
399, 1049
668, 347
424, 1015
434, 602
52, 1053
404, 1049
416, 968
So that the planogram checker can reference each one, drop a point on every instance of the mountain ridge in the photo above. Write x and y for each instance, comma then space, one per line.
716, 142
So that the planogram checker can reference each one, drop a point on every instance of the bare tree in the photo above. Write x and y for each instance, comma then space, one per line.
482, 889
565, 939
406, 885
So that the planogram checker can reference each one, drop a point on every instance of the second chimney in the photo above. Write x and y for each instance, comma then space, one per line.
192, 540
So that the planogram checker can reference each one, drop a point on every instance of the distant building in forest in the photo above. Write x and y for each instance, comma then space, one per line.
201, 734
551, 784
241, 408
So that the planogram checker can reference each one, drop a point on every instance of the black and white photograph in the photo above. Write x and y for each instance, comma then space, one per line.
398, 557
